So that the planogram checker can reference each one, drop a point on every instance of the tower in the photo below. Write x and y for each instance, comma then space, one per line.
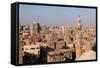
79, 26
78, 38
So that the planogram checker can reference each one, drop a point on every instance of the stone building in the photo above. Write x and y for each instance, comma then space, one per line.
68, 34
61, 55
21, 52
60, 44
51, 39
32, 49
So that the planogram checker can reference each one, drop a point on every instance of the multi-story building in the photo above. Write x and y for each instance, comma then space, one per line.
35, 28
32, 49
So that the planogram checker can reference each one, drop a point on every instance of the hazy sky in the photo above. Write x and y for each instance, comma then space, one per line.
52, 15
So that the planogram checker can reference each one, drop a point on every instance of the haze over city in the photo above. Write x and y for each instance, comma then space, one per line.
52, 15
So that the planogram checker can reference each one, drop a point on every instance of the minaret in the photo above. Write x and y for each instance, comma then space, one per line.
79, 23
32, 29
78, 38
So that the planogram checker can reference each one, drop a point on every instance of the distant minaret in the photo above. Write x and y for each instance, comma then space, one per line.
32, 29
79, 26
78, 38
20, 27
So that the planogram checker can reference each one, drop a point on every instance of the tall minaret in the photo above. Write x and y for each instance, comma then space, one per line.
79, 23
78, 38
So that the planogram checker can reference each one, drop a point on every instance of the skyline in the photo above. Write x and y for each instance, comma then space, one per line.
53, 15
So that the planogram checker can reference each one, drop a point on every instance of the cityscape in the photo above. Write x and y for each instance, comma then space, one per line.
41, 44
